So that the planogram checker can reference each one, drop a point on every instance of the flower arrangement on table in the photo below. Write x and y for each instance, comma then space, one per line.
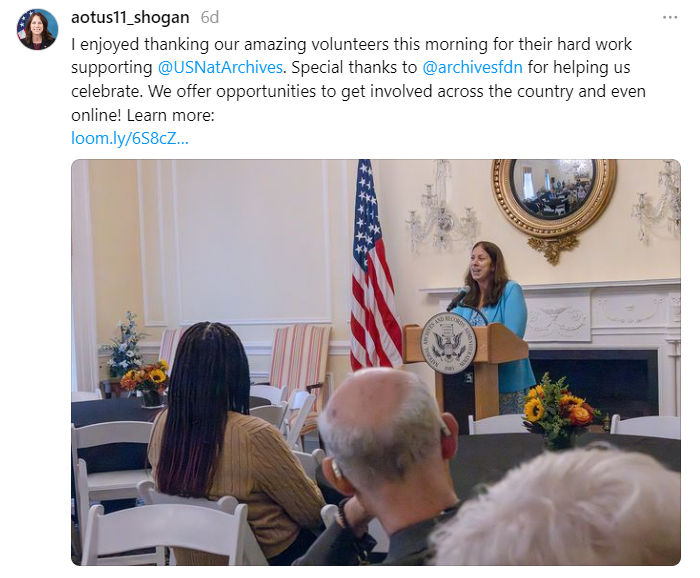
125, 350
149, 379
552, 410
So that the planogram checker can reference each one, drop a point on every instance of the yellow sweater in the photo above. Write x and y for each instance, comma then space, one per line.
258, 469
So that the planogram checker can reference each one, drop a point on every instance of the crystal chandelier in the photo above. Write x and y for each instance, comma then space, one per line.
645, 212
440, 220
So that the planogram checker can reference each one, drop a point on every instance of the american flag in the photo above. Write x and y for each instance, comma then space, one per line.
375, 322
22, 24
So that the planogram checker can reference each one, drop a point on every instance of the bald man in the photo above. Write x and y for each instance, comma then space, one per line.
388, 449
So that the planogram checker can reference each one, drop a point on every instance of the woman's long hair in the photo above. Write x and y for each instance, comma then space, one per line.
45, 34
210, 377
499, 277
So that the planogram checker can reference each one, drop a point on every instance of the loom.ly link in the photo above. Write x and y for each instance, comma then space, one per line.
122, 140
167, 67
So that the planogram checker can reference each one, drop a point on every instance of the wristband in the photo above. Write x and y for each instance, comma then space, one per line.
342, 520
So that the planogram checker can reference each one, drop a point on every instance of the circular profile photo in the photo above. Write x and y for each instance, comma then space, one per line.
37, 29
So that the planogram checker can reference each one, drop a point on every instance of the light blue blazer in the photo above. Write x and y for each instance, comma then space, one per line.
511, 311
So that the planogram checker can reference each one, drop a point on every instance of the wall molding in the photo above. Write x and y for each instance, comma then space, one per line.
176, 234
281, 321
347, 235
444, 291
252, 348
327, 319
148, 321
161, 242
83, 279
327, 238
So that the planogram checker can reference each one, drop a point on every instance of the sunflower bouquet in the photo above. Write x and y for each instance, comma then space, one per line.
146, 378
552, 410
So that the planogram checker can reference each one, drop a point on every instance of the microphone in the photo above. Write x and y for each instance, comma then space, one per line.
463, 292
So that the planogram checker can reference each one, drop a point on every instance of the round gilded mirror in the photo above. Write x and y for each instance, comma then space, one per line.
553, 199
552, 188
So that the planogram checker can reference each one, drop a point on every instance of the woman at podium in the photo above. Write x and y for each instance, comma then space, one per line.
501, 301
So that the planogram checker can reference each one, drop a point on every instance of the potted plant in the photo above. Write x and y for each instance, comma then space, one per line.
125, 354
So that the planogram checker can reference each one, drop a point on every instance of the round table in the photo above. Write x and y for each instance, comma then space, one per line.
84, 413
485, 459
113, 457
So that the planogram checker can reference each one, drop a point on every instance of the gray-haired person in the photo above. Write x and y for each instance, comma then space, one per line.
575, 508
388, 449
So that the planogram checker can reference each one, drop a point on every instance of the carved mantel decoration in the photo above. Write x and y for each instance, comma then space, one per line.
553, 199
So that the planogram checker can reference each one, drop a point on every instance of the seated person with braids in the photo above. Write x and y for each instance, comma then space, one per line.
206, 445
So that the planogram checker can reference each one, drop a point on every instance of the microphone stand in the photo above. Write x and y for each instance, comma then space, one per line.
475, 310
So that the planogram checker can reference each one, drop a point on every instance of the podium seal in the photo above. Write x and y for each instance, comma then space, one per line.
448, 343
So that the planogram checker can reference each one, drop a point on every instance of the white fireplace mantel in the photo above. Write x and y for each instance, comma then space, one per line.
643, 314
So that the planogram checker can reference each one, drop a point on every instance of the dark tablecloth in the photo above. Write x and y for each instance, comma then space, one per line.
84, 413
112, 457
484, 459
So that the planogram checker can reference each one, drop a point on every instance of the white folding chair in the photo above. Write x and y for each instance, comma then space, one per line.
328, 513
300, 405
310, 462
86, 395
273, 414
173, 525
656, 426
83, 503
511, 423
252, 554
115, 485
276, 395
375, 529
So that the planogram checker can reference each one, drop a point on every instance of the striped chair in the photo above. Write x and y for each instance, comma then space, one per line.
299, 359
168, 345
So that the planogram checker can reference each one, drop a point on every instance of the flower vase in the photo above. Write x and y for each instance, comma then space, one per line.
564, 441
114, 386
151, 399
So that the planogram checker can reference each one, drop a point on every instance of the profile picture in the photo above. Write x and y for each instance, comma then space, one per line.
37, 29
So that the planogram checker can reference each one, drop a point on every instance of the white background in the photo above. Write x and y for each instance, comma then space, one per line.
35, 180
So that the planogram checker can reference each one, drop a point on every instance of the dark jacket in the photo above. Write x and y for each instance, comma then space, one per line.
44, 43
407, 547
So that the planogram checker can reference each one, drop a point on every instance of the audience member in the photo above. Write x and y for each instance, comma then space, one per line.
206, 445
388, 449
578, 507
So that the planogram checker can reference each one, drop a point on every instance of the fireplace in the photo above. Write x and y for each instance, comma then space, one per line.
619, 343
615, 381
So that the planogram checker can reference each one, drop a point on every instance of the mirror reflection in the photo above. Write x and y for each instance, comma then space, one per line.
552, 188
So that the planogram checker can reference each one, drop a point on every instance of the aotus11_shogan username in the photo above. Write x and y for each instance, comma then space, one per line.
121, 17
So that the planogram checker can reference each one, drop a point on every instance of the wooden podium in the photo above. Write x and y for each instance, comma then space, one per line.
495, 344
